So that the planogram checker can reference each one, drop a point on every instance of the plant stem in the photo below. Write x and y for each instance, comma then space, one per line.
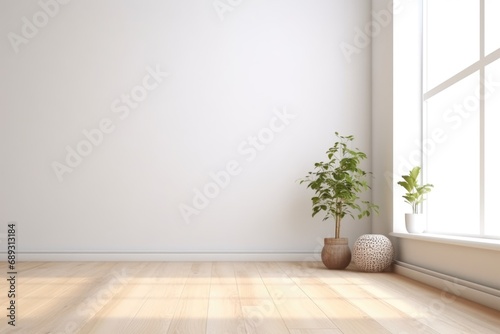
337, 226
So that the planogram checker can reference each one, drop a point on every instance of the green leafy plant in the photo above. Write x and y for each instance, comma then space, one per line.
415, 192
338, 182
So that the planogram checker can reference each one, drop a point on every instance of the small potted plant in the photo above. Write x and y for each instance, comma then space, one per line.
415, 221
337, 184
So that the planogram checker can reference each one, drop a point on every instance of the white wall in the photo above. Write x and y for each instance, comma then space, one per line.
382, 116
230, 69
472, 264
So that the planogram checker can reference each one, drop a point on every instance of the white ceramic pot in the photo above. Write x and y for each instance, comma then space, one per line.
415, 222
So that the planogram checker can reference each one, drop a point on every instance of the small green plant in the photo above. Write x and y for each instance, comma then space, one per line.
415, 192
338, 182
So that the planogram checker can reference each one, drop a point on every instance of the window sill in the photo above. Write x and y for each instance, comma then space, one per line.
490, 244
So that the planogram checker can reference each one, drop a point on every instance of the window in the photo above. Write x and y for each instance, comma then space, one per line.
461, 116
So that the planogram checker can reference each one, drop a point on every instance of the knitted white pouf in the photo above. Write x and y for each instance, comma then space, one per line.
372, 252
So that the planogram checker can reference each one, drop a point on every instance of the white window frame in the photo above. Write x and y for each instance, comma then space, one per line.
479, 66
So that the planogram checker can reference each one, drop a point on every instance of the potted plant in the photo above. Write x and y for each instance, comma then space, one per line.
337, 184
415, 221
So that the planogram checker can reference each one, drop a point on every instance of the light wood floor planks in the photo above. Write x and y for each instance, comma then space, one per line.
231, 298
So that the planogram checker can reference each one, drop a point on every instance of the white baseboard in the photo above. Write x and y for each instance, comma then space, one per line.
162, 256
472, 291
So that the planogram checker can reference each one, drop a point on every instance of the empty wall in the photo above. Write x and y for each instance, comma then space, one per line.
176, 126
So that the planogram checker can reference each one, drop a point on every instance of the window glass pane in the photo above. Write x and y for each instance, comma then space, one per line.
491, 151
452, 38
451, 147
492, 25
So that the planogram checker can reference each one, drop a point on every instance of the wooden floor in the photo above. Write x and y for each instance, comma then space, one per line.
232, 298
